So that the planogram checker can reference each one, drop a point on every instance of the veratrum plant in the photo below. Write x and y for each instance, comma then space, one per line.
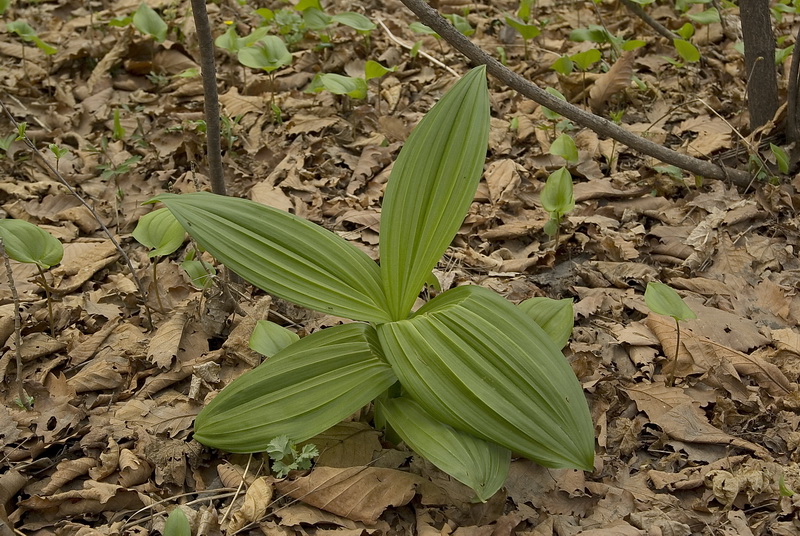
479, 379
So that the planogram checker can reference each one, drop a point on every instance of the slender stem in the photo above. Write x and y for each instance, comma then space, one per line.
211, 99
49, 295
600, 125
155, 285
23, 396
671, 375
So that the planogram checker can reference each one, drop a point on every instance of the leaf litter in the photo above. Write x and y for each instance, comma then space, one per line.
107, 447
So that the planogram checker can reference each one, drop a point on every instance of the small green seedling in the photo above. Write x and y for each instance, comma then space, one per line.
355, 88
199, 271
557, 199
375, 71
161, 232
27, 243
663, 300
177, 524
527, 31
783, 489
6, 141
268, 54
26, 33
285, 456
58, 151
268, 338
781, 158
361, 24
146, 20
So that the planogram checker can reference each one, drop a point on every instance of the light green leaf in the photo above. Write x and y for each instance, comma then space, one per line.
431, 187
356, 21
527, 31
418, 27
338, 84
781, 157
283, 254
200, 272
316, 19
476, 362
557, 194
177, 524
562, 65
460, 23
555, 317
586, 59
299, 392
28, 243
662, 299
21, 28
303, 5
159, 231
686, 50
373, 69
269, 338
268, 53
481, 465
708, 16
147, 21
564, 146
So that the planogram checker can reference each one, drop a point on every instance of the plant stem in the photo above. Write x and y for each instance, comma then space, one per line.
48, 294
155, 286
671, 375
211, 99
600, 125
23, 396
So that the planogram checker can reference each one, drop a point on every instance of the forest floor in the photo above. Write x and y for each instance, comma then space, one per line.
107, 448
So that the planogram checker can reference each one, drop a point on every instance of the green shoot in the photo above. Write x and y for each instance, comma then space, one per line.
177, 524
557, 199
161, 232
663, 300
285, 456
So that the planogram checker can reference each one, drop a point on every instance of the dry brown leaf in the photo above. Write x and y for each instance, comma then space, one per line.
166, 343
347, 444
109, 461
502, 178
67, 471
133, 470
357, 493
618, 78
256, 501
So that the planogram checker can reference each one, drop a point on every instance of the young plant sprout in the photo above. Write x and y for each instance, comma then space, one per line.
663, 300
27, 243
268, 54
161, 232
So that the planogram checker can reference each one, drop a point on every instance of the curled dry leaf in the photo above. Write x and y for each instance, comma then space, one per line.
256, 502
67, 471
109, 461
133, 470
615, 80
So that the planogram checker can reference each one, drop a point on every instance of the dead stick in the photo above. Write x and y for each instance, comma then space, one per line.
23, 396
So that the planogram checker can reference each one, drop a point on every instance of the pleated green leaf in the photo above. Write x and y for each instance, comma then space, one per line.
476, 362
300, 392
285, 255
481, 465
431, 187
268, 338
29, 243
555, 317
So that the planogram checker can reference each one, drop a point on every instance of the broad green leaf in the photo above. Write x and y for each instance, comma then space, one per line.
21, 28
686, 50
564, 146
285, 255
373, 69
299, 392
476, 362
557, 194
527, 31
431, 187
200, 272
147, 21
177, 524
418, 27
563, 65
269, 338
555, 317
708, 16
460, 23
303, 5
586, 59
686, 31
547, 112
268, 53
316, 19
4, 5
338, 84
663, 299
781, 157
159, 231
28, 243
633, 44
356, 21
481, 465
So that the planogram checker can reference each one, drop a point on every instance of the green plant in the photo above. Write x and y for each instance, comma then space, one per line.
469, 360
24, 31
285, 456
27, 243
663, 300
146, 20
6, 141
161, 232
527, 31
177, 524
58, 151
557, 199
199, 271
268, 53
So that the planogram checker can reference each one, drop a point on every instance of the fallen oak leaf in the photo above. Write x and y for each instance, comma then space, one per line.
357, 493
615, 80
